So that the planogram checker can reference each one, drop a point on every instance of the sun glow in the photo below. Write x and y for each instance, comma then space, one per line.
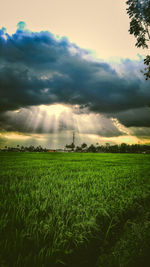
58, 117
53, 125
56, 109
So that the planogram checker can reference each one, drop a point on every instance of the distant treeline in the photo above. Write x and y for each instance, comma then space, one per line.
123, 148
107, 148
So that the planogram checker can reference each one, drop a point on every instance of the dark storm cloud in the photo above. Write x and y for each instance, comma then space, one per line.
37, 68
141, 132
134, 117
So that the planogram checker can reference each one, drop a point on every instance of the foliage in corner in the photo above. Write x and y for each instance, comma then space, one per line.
139, 13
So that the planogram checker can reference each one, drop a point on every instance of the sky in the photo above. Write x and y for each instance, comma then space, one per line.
70, 66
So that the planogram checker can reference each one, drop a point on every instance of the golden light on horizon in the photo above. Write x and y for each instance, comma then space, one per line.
52, 126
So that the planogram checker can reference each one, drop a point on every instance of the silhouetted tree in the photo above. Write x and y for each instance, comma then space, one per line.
123, 148
84, 146
72, 146
78, 149
114, 149
139, 13
22, 148
31, 148
92, 148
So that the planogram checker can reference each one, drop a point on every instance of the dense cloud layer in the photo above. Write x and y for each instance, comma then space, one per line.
135, 117
37, 68
39, 120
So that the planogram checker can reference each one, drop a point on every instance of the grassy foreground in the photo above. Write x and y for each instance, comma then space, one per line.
74, 210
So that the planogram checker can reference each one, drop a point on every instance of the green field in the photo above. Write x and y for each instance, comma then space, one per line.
74, 210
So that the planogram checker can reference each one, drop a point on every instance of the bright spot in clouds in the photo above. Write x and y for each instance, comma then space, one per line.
53, 125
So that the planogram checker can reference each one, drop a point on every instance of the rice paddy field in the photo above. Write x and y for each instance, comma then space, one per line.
74, 210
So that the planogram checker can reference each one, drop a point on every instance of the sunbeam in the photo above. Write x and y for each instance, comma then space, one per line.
56, 123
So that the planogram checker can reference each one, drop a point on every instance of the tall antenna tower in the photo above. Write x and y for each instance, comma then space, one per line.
73, 139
